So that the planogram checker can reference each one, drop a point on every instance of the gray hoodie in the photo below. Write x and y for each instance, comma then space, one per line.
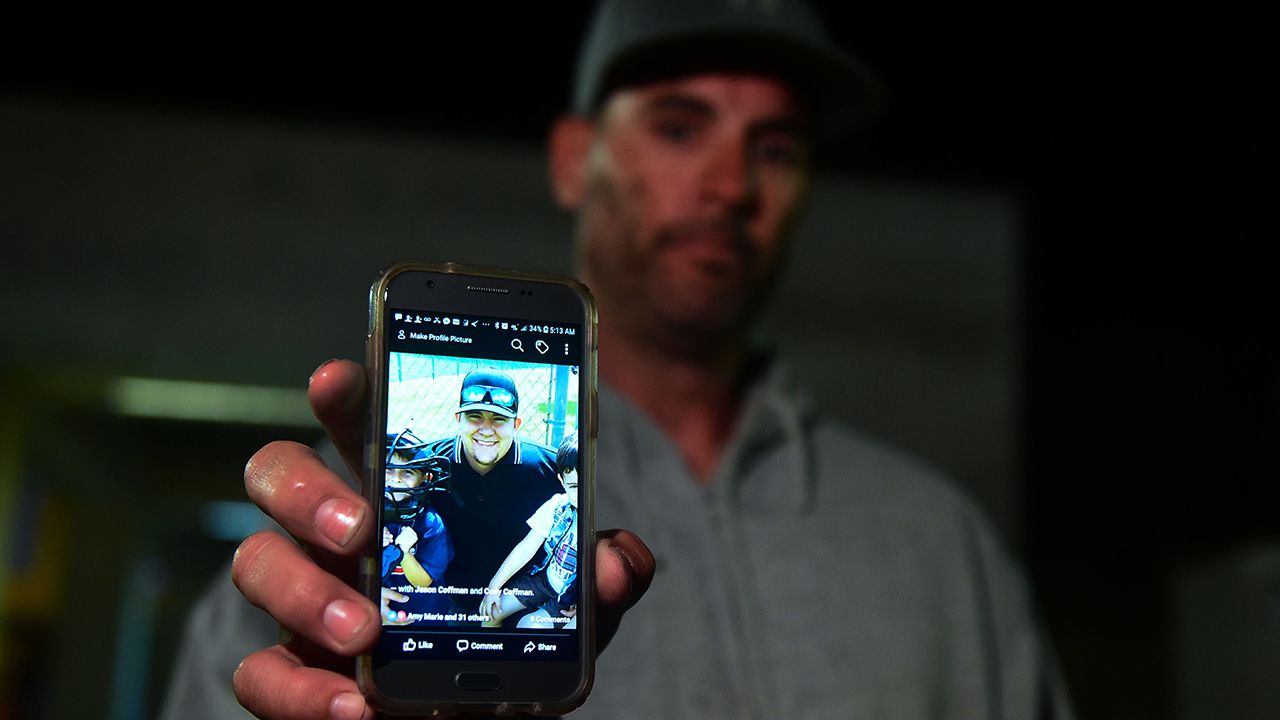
820, 575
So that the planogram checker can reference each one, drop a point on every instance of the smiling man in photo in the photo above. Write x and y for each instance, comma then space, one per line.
497, 479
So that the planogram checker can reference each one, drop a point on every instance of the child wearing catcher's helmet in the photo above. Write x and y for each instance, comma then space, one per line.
415, 543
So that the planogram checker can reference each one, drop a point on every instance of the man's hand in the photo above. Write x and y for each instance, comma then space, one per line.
311, 593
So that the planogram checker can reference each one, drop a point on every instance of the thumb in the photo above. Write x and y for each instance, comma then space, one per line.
624, 570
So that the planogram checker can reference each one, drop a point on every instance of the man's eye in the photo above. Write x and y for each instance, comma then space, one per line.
780, 152
677, 133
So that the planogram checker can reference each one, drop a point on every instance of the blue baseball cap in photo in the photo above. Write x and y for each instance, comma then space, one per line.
489, 390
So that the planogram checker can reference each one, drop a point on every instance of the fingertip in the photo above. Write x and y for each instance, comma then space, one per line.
276, 683
625, 567
342, 520
349, 706
328, 371
245, 566
348, 620
613, 581
336, 386
263, 468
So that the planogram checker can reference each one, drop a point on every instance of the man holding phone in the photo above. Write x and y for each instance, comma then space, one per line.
806, 570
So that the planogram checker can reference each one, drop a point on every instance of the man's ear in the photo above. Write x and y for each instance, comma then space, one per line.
568, 147
519, 422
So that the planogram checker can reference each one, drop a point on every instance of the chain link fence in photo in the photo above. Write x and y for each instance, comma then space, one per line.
424, 393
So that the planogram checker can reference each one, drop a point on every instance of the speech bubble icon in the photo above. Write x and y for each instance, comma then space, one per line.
463, 645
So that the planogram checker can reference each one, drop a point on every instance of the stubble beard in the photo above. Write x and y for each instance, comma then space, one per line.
486, 455
694, 306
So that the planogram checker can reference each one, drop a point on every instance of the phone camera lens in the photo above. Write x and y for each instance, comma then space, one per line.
431, 284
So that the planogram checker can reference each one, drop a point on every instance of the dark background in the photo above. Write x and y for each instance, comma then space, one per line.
1134, 144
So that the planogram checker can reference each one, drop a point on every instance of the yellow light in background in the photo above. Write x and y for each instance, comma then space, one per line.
209, 402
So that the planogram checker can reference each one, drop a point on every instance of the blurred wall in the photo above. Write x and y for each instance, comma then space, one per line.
155, 243
221, 248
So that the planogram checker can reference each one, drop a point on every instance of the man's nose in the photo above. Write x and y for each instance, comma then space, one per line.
730, 177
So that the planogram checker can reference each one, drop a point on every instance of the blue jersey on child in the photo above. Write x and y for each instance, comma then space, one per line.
433, 551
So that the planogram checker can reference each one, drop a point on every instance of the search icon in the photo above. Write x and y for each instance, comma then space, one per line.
517, 345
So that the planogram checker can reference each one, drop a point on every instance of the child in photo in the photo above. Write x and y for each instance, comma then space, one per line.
415, 544
550, 586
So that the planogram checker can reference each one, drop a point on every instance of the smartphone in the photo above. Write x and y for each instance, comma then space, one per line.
480, 464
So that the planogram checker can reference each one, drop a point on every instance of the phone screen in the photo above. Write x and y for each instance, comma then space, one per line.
482, 521
480, 503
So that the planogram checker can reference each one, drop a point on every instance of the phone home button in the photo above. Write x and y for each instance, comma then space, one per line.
478, 680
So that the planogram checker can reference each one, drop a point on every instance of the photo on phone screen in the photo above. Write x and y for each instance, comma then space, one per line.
472, 446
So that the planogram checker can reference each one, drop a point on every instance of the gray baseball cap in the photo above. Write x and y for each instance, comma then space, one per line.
630, 42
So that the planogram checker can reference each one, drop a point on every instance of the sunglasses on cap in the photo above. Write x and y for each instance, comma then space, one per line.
489, 395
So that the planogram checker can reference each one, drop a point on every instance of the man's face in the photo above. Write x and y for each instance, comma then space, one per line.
486, 436
570, 481
691, 189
